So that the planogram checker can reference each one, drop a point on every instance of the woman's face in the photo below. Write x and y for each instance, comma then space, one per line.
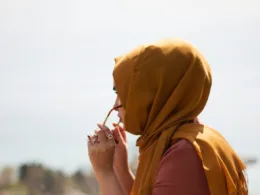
121, 110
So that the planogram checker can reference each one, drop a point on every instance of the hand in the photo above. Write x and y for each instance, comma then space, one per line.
121, 154
122, 170
197, 121
101, 152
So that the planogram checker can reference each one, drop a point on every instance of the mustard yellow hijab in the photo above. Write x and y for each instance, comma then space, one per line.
161, 86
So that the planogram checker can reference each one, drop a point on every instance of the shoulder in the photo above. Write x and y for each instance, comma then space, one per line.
181, 167
181, 151
180, 145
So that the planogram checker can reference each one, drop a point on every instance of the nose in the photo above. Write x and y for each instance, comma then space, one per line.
117, 107
117, 104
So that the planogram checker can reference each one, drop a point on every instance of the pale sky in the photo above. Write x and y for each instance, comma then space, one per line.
57, 59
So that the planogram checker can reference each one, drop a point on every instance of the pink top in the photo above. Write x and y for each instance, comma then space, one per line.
180, 172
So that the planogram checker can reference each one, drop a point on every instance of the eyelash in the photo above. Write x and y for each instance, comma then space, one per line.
114, 89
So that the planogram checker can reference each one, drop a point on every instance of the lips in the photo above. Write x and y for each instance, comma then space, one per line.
120, 119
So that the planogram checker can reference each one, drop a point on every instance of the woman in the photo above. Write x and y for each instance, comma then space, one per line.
162, 88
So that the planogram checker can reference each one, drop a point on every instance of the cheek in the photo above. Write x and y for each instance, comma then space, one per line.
121, 112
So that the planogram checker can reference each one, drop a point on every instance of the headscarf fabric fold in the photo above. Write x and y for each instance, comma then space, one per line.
162, 86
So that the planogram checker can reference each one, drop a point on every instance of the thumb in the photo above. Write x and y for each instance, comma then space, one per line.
117, 134
123, 132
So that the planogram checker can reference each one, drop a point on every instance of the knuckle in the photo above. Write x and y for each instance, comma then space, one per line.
97, 131
100, 132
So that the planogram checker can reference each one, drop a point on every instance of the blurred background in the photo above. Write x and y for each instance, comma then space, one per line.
56, 62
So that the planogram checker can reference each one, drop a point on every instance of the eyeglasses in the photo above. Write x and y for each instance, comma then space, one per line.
105, 121
115, 108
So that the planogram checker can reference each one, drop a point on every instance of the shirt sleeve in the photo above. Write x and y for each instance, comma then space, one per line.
180, 172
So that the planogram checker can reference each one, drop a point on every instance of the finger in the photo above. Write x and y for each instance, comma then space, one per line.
94, 139
121, 131
90, 144
89, 140
107, 132
113, 133
101, 133
118, 135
